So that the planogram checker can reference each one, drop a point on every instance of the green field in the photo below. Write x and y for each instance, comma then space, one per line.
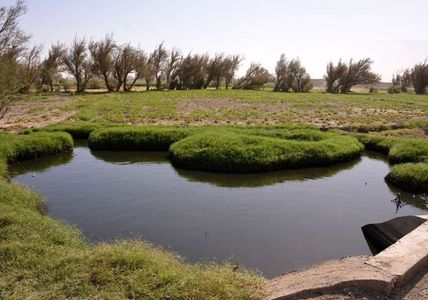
196, 107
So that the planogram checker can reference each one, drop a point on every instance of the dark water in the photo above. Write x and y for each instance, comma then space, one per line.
273, 222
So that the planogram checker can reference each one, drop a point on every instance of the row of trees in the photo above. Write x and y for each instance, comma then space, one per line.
416, 77
120, 67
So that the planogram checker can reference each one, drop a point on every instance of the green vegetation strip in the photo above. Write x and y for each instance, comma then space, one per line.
42, 258
410, 155
233, 149
237, 152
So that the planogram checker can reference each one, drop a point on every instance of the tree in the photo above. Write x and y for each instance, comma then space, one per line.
102, 53
171, 66
192, 71
342, 78
78, 64
158, 60
124, 64
231, 66
419, 78
139, 66
255, 78
299, 78
215, 69
49, 73
13, 42
291, 75
29, 68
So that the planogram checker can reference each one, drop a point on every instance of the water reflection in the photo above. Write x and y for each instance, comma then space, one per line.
40, 164
273, 222
225, 179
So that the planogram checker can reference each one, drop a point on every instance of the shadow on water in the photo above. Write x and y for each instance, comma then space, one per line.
224, 179
264, 179
131, 157
40, 164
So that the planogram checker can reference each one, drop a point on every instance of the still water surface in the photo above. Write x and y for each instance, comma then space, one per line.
273, 222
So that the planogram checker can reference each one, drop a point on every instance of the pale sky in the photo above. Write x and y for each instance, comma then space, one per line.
393, 33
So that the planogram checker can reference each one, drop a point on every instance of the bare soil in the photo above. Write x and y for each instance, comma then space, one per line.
33, 113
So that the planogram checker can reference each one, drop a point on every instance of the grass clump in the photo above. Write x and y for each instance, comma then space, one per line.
409, 176
243, 153
409, 150
42, 258
19, 147
136, 138
410, 155
77, 131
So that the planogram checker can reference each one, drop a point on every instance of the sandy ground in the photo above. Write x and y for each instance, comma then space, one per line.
37, 113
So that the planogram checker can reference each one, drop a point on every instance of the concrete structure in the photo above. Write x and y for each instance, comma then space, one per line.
390, 268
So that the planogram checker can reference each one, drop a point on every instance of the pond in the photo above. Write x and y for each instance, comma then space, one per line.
271, 222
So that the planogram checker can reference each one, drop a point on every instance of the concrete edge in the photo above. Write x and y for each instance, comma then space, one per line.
391, 268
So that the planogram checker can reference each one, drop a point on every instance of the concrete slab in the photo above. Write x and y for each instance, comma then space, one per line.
390, 268
345, 272
406, 256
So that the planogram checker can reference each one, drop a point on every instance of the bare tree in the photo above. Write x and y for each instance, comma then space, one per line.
49, 72
30, 68
231, 66
139, 67
102, 53
171, 66
78, 64
255, 78
342, 78
124, 64
13, 42
158, 60
11, 35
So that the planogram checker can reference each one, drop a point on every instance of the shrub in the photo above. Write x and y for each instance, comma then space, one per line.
234, 152
394, 89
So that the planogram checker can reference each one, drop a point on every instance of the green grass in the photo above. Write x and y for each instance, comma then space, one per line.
134, 138
77, 131
411, 177
244, 153
44, 259
357, 111
410, 155
20, 147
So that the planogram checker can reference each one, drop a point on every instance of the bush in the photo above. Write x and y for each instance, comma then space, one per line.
242, 153
394, 90
136, 138
96, 84
411, 177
